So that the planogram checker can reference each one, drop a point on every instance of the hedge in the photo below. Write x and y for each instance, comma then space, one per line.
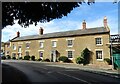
8, 57
26, 57
33, 58
64, 59
3, 57
13, 58
109, 61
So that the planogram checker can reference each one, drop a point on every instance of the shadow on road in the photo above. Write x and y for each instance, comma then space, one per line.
12, 75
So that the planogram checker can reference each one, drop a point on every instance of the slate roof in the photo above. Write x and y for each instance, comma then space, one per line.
79, 32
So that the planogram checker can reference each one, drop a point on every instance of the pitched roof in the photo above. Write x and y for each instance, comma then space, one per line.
79, 32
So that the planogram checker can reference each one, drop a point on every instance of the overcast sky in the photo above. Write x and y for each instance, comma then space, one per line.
93, 14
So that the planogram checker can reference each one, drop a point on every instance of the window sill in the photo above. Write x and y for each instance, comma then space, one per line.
99, 44
70, 58
99, 59
54, 46
70, 46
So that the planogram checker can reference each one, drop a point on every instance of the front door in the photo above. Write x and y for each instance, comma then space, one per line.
53, 56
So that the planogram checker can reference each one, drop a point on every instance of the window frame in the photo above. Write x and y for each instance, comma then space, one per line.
14, 47
70, 43
54, 43
41, 46
19, 48
99, 50
98, 42
40, 54
28, 46
14, 54
70, 57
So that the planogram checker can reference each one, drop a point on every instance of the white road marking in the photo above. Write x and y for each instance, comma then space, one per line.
74, 77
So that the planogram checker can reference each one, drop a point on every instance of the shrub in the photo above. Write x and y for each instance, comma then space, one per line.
79, 60
13, 58
8, 57
26, 57
109, 61
64, 59
46, 60
3, 57
20, 57
39, 59
33, 58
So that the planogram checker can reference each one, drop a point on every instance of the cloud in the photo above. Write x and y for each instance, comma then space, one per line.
53, 26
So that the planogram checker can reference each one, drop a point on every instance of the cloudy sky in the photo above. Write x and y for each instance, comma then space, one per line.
93, 14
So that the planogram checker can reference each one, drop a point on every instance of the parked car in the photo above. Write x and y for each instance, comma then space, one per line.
2, 54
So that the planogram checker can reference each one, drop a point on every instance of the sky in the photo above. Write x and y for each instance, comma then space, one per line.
93, 15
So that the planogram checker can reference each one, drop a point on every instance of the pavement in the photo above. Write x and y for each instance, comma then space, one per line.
89, 68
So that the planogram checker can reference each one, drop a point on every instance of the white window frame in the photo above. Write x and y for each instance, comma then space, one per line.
54, 43
101, 41
7, 52
72, 54
41, 44
72, 41
39, 54
26, 44
14, 53
102, 54
20, 49
41, 51
13, 46
68, 43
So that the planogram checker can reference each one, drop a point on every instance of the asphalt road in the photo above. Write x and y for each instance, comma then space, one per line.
46, 73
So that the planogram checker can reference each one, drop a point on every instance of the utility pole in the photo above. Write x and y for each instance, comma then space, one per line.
112, 54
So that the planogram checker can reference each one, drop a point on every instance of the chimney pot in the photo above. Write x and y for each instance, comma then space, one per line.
105, 21
18, 34
41, 31
84, 24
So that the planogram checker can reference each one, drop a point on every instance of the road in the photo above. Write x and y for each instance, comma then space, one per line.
34, 72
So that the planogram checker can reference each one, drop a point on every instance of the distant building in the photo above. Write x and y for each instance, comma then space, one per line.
67, 43
114, 46
2, 51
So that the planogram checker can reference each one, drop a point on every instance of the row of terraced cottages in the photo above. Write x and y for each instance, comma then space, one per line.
67, 43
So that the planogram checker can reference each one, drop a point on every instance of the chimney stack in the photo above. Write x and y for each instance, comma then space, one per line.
18, 34
41, 31
84, 24
105, 21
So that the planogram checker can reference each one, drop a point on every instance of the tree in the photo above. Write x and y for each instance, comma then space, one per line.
32, 12
85, 54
